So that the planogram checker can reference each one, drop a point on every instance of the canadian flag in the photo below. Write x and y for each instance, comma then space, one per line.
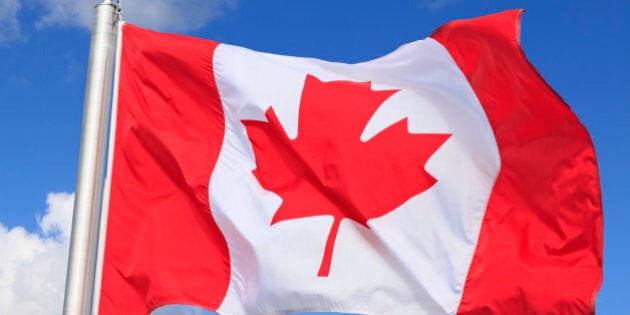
444, 178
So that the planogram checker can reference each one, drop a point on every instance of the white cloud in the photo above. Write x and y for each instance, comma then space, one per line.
9, 24
33, 265
163, 15
58, 217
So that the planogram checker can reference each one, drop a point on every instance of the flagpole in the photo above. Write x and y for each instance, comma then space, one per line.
89, 188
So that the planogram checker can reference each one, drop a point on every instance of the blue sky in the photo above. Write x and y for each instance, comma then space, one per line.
580, 47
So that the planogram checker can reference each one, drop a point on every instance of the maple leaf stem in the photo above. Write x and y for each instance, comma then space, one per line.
324, 268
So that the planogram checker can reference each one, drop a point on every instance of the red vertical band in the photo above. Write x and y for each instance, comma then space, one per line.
540, 246
162, 244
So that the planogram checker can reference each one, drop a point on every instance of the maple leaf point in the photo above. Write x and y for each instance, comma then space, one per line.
328, 170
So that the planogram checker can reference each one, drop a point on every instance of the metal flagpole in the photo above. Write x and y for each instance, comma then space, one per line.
87, 204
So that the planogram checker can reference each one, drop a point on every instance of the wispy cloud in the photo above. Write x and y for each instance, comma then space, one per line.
434, 4
9, 24
181, 310
66, 13
33, 264
163, 15
73, 67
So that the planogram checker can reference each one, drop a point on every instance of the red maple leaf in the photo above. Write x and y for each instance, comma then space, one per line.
328, 170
